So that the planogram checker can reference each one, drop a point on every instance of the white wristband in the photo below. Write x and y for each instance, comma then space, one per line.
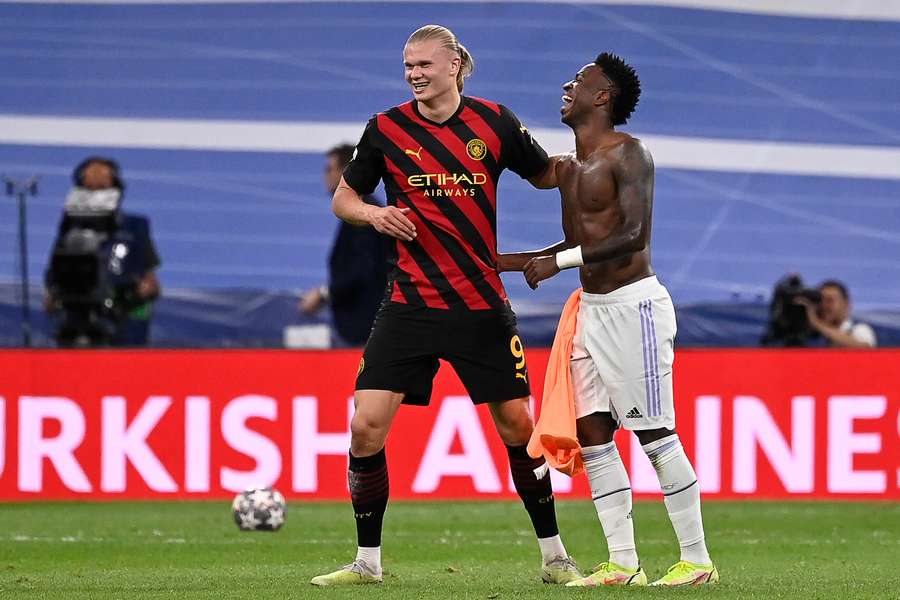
569, 258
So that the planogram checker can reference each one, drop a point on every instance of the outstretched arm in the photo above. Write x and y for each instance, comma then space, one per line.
547, 179
516, 261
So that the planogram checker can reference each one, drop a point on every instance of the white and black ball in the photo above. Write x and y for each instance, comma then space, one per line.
259, 509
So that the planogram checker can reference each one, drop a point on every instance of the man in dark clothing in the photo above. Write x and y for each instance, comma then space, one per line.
131, 263
357, 268
135, 330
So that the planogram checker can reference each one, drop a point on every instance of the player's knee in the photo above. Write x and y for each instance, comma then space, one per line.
595, 429
366, 433
515, 430
648, 436
514, 437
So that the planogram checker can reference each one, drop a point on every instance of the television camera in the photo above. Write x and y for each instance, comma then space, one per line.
94, 269
788, 325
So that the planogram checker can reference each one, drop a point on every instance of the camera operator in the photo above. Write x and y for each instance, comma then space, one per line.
831, 318
102, 275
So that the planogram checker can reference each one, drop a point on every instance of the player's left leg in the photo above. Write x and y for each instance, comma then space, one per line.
531, 477
681, 494
486, 352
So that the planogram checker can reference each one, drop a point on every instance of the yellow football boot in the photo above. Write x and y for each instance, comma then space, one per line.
688, 573
561, 569
356, 573
609, 573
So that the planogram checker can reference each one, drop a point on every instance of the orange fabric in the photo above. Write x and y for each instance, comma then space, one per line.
554, 436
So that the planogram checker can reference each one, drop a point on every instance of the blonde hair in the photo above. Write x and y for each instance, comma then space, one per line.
449, 41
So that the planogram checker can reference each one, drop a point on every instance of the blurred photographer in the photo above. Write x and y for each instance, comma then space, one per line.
831, 318
101, 281
357, 274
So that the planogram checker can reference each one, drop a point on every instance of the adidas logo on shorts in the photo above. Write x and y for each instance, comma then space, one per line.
634, 413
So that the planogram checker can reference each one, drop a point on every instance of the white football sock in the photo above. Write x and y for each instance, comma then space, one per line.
611, 492
682, 496
370, 556
551, 547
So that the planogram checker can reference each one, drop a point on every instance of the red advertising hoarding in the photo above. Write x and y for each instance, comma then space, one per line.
204, 424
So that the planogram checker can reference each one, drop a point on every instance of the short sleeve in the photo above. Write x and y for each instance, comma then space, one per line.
365, 169
521, 152
864, 333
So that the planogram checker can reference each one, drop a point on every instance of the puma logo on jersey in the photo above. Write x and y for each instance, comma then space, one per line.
415, 153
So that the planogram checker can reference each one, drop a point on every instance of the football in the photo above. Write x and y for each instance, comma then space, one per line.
259, 509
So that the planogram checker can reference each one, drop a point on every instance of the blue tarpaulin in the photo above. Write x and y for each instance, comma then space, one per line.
257, 318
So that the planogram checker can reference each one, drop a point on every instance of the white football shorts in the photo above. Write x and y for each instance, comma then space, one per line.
622, 355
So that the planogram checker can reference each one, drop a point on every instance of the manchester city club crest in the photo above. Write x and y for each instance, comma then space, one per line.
476, 149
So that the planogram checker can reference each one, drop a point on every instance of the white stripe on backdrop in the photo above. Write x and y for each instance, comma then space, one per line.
704, 154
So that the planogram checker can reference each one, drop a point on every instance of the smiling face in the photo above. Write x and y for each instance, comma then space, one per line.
588, 91
430, 69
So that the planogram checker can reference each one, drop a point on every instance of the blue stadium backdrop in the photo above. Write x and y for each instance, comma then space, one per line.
776, 135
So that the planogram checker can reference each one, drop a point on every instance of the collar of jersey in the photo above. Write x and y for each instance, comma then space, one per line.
451, 118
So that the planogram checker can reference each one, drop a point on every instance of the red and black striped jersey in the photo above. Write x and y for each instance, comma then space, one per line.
446, 174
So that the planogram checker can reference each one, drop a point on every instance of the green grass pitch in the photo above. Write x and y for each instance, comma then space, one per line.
456, 550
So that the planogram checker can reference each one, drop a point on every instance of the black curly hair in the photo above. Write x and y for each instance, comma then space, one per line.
627, 86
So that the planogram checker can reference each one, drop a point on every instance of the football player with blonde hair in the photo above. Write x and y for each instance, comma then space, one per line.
440, 156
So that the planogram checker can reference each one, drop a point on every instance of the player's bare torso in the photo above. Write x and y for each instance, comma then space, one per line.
592, 210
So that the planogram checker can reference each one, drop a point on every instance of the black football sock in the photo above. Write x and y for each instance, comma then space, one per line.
536, 494
368, 479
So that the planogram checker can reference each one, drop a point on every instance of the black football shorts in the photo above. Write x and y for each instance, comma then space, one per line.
483, 346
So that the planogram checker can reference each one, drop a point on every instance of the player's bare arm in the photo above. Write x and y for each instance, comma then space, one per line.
632, 172
548, 178
389, 220
516, 261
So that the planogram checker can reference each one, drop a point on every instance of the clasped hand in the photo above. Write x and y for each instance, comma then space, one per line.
540, 268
